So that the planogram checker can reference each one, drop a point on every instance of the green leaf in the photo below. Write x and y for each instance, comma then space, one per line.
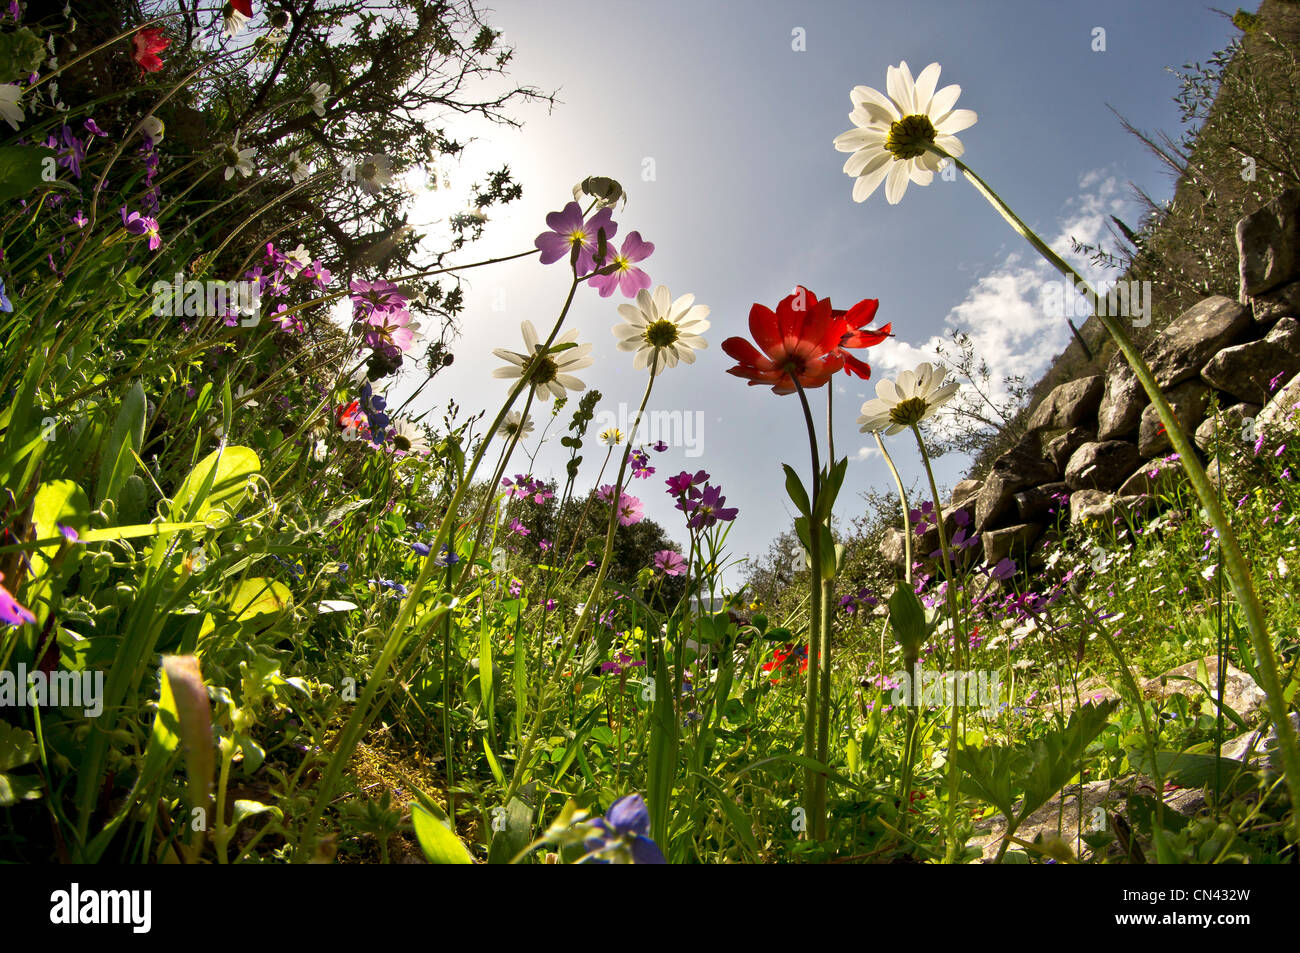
439, 844
255, 600
24, 169
118, 461
222, 478
907, 620
515, 835
17, 746
794, 489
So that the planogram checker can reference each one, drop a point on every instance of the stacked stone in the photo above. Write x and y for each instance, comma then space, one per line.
1099, 439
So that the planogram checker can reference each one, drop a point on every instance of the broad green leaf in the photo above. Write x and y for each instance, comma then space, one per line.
222, 478
24, 169
439, 844
794, 489
256, 600
118, 461
514, 835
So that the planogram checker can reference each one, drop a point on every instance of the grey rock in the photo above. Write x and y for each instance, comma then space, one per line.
1068, 405
891, 548
1153, 478
1245, 371
1240, 692
1228, 424
1020, 467
1281, 415
1259, 746
1102, 465
1121, 402
1207, 327
964, 492
1037, 502
1268, 244
1101, 506
1279, 303
1189, 401
1010, 541
1060, 448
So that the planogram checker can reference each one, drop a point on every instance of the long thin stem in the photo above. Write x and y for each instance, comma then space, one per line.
814, 793
1234, 560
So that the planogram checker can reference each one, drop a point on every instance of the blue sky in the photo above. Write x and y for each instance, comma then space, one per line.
748, 198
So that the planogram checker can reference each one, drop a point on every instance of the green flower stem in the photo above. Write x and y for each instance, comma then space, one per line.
902, 500
361, 713
525, 753
952, 849
1234, 560
814, 781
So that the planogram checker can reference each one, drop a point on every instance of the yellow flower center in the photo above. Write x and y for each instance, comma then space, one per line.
540, 369
662, 333
909, 136
909, 411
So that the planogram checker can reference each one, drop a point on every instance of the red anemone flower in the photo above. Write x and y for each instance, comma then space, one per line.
855, 336
243, 6
800, 343
147, 43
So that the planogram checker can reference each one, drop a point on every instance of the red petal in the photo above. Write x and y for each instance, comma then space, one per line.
763, 325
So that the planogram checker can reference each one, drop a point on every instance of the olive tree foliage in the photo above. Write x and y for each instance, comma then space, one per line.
364, 95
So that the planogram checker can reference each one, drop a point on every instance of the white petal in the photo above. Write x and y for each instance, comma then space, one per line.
919, 175
943, 101
869, 181
955, 121
530, 336
925, 86
896, 183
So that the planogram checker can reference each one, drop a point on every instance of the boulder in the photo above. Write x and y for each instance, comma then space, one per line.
1279, 303
1268, 244
1240, 691
1102, 465
1060, 448
1121, 401
1282, 412
964, 492
1228, 423
891, 548
1259, 746
1246, 370
1068, 405
1207, 327
1020, 467
1100, 506
1189, 401
1010, 541
1154, 477
1039, 502
1082, 809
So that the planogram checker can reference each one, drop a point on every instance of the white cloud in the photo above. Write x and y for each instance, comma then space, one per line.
1004, 311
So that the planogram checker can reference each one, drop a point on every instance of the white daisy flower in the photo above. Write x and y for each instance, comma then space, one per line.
10, 111
889, 143
153, 127
409, 438
610, 437
318, 93
233, 22
237, 160
657, 324
300, 254
298, 170
916, 396
375, 172
516, 423
550, 374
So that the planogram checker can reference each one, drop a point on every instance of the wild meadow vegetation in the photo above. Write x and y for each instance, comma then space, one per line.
254, 611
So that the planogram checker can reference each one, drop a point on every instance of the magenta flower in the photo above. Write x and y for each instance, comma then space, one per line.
670, 563
605, 494
390, 329
708, 508
659, 447
629, 510
371, 296
625, 276
569, 232
624, 662
137, 224
684, 482
10, 611
640, 461
518, 527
